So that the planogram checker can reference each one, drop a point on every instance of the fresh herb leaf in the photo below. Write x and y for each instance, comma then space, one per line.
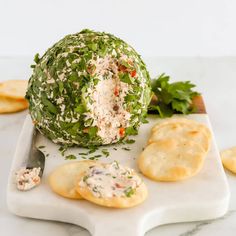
126, 64
116, 165
163, 110
70, 157
51, 108
126, 148
172, 97
93, 46
61, 86
92, 131
130, 141
144, 120
63, 149
83, 153
129, 192
73, 77
105, 152
131, 131
92, 149
126, 78
130, 97
36, 58
181, 106
95, 157
80, 109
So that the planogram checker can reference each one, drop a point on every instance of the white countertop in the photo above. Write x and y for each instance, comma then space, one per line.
215, 78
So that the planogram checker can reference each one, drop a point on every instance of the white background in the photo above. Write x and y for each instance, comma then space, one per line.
153, 27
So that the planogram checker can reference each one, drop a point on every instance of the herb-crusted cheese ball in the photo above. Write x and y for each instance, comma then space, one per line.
90, 88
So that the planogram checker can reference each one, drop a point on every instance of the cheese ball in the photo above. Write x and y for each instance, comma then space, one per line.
89, 89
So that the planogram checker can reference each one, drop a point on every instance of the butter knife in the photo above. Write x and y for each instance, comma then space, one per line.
36, 157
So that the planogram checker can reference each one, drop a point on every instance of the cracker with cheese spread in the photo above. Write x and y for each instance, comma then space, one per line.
112, 185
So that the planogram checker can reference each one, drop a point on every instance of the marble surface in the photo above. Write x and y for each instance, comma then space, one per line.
215, 78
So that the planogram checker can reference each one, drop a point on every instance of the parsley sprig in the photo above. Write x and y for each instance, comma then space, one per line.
171, 97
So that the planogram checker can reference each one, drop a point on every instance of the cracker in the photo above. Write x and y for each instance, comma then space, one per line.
181, 130
13, 88
199, 126
10, 105
171, 160
114, 202
63, 180
228, 158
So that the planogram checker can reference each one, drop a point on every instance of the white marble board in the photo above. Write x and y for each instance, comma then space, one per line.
205, 196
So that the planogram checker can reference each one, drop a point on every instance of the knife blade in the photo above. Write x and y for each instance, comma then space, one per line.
36, 157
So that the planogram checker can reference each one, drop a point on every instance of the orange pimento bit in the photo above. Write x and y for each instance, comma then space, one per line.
133, 73
116, 91
122, 131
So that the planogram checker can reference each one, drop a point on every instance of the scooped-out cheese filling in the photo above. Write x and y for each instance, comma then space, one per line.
107, 108
111, 180
26, 179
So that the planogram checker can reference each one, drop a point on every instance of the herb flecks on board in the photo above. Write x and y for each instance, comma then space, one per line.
105, 152
70, 157
63, 149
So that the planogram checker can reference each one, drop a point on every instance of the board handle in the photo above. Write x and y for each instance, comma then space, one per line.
126, 229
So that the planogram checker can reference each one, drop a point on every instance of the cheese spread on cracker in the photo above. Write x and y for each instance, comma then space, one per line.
111, 180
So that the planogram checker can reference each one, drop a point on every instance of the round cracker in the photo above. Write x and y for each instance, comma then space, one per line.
194, 123
63, 180
116, 202
14, 89
171, 160
10, 105
181, 130
137, 198
228, 158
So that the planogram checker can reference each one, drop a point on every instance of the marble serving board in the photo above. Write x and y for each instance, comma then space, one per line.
204, 196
